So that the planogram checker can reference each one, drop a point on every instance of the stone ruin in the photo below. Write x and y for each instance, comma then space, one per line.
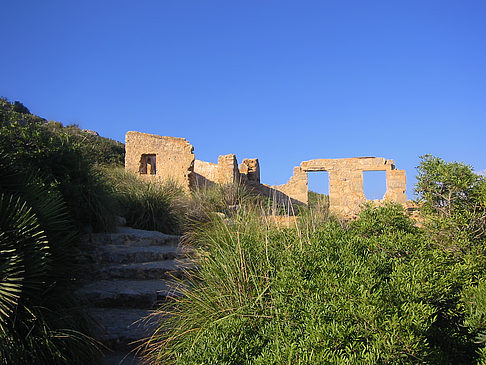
159, 158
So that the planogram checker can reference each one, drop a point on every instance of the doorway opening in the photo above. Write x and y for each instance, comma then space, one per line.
318, 187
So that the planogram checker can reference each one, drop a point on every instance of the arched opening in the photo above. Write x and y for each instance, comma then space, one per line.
374, 184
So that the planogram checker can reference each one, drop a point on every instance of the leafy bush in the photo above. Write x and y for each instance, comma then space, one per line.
376, 291
474, 302
65, 160
264, 295
375, 220
453, 201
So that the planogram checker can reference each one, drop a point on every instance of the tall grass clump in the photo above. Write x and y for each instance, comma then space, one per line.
147, 205
315, 294
207, 200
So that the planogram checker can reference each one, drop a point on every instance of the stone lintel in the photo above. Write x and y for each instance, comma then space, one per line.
354, 163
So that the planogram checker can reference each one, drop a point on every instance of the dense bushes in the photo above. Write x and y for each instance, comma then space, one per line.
380, 290
453, 201
65, 159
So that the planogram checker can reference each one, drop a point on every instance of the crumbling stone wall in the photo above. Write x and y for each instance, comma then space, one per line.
224, 172
205, 173
228, 169
159, 158
296, 188
346, 182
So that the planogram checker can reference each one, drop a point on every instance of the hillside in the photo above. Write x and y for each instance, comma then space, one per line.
17, 123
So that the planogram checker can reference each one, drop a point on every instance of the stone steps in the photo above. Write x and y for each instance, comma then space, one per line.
127, 293
131, 254
127, 275
166, 269
132, 237
120, 327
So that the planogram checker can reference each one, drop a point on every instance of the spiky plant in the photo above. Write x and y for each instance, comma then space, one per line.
40, 318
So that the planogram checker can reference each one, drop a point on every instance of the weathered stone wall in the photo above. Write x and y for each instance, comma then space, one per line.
205, 173
159, 158
228, 169
296, 188
396, 183
224, 172
346, 181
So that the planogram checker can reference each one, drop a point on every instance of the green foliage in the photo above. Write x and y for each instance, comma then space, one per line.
474, 301
40, 321
375, 220
146, 205
226, 199
28, 135
66, 159
316, 200
453, 201
20, 108
378, 291
103, 151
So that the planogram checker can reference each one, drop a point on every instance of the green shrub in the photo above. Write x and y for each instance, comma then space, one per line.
474, 302
64, 160
453, 201
375, 220
329, 294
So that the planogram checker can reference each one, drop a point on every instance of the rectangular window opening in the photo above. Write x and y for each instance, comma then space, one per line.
148, 164
374, 184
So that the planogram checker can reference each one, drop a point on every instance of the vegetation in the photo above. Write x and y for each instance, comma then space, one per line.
40, 321
57, 182
68, 159
377, 290
50, 191
147, 205
453, 201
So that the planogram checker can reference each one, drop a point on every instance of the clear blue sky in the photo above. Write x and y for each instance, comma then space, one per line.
284, 81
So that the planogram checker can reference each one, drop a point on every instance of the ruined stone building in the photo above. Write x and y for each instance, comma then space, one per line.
158, 158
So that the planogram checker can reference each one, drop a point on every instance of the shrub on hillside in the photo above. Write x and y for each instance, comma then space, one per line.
375, 220
63, 160
264, 295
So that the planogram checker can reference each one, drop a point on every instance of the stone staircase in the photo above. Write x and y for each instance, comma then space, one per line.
127, 277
